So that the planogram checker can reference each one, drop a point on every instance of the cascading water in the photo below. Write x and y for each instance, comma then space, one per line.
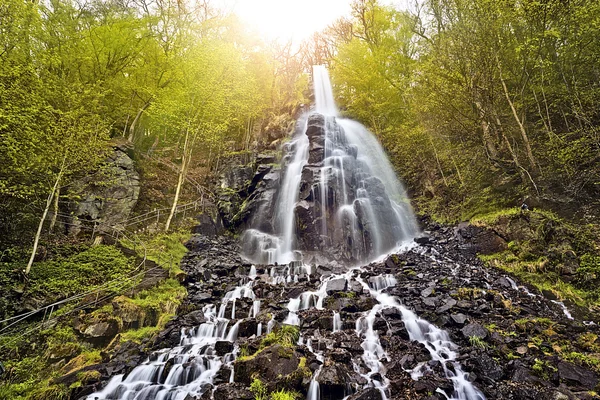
339, 196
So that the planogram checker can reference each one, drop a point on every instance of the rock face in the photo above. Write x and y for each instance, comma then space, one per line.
108, 197
247, 191
329, 202
503, 334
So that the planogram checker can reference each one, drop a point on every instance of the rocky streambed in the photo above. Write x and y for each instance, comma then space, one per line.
430, 322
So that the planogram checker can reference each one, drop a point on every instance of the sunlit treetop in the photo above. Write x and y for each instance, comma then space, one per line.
286, 20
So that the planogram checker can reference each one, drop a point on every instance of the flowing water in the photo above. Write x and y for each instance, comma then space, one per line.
360, 209
339, 194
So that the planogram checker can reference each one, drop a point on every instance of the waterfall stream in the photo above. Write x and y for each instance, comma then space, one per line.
338, 197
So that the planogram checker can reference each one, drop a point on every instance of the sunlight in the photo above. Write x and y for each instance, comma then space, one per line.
290, 19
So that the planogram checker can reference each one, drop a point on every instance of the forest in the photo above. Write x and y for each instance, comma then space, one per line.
486, 109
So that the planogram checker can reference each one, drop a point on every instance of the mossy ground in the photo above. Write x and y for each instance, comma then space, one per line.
547, 252
36, 355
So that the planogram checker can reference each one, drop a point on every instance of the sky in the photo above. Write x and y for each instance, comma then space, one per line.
294, 20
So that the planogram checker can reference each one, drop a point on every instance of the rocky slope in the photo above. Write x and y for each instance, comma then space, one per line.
356, 341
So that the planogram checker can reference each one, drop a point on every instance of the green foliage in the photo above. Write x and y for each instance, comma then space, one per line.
258, 388
286, 335
472, 100
80, 272
543, 368
164, 297
166, 249
285, 395
137, 335
260, 392
476, 341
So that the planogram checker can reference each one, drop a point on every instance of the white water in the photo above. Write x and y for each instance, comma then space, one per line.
362, 206
372, 205
194, 362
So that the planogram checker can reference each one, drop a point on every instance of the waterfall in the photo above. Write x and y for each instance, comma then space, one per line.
339, 196
338, 200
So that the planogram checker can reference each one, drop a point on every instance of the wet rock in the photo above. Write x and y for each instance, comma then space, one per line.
271, 364
333, 381
474, 330
336, 285
422, 240
231, 391
486, 367
223, 347
367, 394
574, 375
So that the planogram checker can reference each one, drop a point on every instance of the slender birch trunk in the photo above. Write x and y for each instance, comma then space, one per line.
184, 162
44, 215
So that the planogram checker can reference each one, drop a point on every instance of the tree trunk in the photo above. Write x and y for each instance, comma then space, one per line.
519, 123
44, 215
135, 121
184, 161
55, 208
488, 142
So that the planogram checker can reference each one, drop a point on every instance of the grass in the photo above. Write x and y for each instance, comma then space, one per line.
260, 392
165, 249
478, 342
286, 336
73, 270
138, 335
543, 249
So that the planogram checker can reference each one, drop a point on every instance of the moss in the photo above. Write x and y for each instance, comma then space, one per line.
587, 360
286, 335
165, 249
86, 358
285, 395
80, 272
258, 389
543, 368
138, 335
51, 392
464, 293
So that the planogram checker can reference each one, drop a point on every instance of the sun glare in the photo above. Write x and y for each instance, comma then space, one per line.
290, 19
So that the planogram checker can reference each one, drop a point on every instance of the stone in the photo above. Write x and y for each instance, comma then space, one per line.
367, 394
336, 285
575, 375
106, 198
422, 240
233, 391
459, 319
487, 367
448, 304
474, 330
223, 347
333, 380
272, 364
522, 350
428, 291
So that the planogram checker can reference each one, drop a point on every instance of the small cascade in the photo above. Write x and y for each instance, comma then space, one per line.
314, 389
337, 322
188, 369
